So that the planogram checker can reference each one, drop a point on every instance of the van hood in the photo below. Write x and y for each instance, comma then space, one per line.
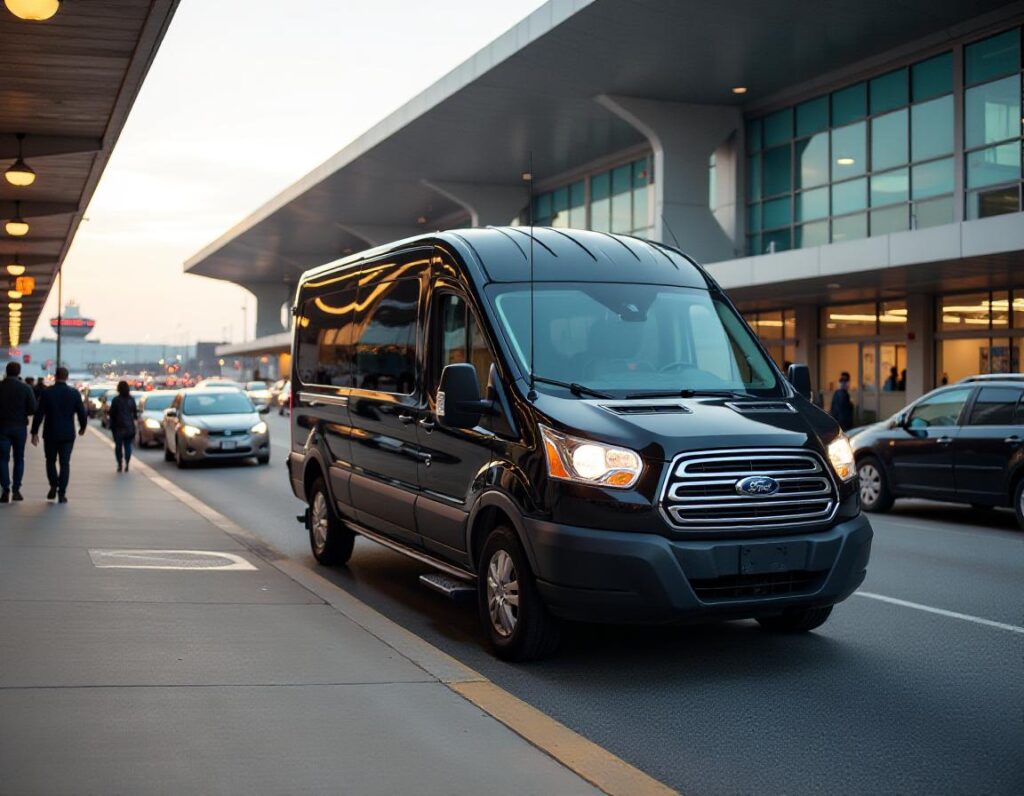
660, 429
241, 421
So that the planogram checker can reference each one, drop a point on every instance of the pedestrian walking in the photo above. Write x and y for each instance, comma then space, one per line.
121, 421
842, 405
38, 388
16, 404
58, 409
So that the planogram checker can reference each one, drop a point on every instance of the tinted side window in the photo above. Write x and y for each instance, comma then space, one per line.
460, 339
324, 335
995, 406
385, 339
940, 410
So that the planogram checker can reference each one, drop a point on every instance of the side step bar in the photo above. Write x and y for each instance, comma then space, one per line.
425, 558
455, 590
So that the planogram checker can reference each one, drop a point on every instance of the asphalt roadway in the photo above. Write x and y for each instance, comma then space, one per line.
921, 695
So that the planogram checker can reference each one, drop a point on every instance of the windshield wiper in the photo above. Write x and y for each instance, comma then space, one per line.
573, 387
688, 393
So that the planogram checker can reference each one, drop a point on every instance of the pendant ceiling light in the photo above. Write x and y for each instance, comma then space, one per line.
14, 305
35, 10
20, 173
17, 226
14, 294
15, 268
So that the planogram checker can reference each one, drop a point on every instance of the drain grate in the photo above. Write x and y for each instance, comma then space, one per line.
169, 559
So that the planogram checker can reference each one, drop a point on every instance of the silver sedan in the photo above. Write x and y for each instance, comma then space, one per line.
150, 423
214, 423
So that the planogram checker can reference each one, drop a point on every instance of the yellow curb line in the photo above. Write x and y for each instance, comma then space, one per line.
594, 763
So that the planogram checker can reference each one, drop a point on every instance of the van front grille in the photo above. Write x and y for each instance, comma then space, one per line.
701, 492
733, 587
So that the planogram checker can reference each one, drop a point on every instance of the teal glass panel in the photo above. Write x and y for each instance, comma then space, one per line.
849, 196
992, 57
815, 234
754, 135
622, 198
849, 151
560, 207
993, 202
811, 117
890, 140
812, 204
777, 241
889, 91
932, 179
601, 186
577, 205
890, 187
754, 218
753, 245
622, 179
641, 208
931, 129
850, 228
849, 104
777, 172
812, 161
992, 112
931, 78
889, 220
754, 178
641, 173
776, 213
542, 210
778, 127
600, 202
933, 213
993, 165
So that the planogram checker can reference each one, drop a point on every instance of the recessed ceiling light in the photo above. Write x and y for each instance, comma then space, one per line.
421, 220
833, 286
739, 90
845, 161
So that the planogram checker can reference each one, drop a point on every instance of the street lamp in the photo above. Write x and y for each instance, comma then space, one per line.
33, 10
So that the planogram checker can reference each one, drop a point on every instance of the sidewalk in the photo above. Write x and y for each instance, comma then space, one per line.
210, 681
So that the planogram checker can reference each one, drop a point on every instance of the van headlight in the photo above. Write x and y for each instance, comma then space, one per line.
840, 454
259, 428
587, 462
191, 431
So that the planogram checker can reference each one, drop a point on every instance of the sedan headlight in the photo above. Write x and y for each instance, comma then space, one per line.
259, 428
587, 462
191, 431
150, 423
840, 454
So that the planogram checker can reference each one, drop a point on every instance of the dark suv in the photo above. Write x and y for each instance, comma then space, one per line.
962, 443
577, 425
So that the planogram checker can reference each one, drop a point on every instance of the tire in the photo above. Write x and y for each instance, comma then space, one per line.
874, 486
1018, 502
796, 620
329, 539
514, 616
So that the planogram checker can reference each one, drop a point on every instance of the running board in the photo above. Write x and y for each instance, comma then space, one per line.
451, 588
448, 569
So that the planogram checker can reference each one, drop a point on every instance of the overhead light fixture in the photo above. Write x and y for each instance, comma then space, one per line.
845, 161
421, 220
14, 294
739, 89
33, 10
20, 173
17, 226
14, 306
15, 268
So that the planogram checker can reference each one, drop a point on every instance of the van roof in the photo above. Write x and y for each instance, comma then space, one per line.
559, 255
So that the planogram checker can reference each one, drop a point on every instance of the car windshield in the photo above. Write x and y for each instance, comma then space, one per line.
158, 402
256, 385
624, 338
96, 392
217, 403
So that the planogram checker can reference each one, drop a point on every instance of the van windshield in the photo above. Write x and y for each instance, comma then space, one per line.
632, 338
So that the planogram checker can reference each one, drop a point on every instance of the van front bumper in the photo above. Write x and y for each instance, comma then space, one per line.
605, 576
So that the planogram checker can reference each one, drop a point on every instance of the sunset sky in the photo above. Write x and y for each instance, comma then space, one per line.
244, 98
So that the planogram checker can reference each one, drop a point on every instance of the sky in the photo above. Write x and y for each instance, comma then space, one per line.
243, 98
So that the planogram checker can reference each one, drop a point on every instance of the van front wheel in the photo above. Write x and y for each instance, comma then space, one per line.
515, 618
796, 620
329, 539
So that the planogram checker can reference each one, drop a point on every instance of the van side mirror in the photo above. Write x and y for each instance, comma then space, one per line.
800, 377
458, 397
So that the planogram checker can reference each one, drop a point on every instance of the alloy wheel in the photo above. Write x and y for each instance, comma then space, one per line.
503, 593
319, 521
870, 484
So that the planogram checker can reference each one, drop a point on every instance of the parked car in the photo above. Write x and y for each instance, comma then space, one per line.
92, 396
214, 423
217, 381
609, 443
962, 443
259, 393
992, 377
150, 422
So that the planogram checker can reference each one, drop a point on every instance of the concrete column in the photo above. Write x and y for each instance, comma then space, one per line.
379, 234
682, 137
270, 297
920, 344
487, 205
806, 317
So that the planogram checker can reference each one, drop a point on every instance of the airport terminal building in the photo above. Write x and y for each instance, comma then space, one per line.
852, 176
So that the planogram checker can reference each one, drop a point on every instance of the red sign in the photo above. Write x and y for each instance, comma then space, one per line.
25, 285
27, 358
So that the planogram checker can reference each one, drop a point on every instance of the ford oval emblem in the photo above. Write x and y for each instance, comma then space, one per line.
757, 486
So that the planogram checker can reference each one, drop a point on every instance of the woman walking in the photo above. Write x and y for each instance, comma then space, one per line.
123, 413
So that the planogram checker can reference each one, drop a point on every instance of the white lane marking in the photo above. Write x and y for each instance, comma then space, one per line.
941, 612
194, 560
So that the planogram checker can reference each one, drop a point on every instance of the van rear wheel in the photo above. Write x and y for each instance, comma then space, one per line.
796, 620
329, 539
515, 618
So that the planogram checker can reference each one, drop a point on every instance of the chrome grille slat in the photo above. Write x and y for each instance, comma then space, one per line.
700, 491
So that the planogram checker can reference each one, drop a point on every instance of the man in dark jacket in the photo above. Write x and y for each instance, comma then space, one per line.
842, 405
16, 403
59, 407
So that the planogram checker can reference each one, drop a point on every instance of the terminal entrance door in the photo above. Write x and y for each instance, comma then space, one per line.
876, 393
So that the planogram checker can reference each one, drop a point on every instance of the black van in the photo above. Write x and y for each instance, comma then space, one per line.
580, 424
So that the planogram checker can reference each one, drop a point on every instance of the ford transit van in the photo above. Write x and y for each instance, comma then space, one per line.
578, 425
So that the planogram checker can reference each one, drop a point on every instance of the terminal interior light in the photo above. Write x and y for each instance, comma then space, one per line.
845, 161
17, 226
34, 10
739, 90
14, 294
15, 268
20, 174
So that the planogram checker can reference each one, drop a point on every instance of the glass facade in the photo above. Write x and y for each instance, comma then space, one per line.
616, 200
979, 332
777, 331
879, 156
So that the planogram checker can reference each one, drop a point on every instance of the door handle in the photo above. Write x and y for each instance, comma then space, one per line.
1013, 440
944, 440
405, 419
427, 424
